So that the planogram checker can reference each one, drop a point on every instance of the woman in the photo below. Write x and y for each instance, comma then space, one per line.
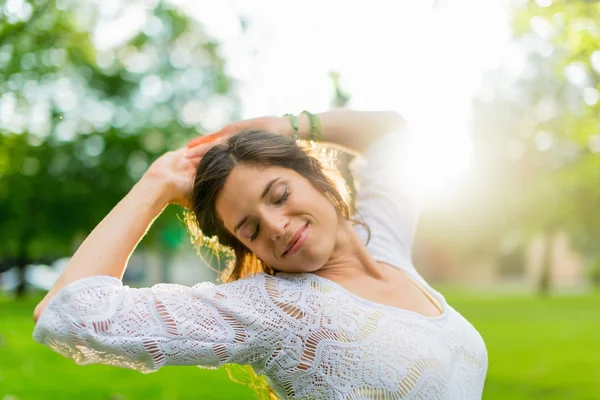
328, 307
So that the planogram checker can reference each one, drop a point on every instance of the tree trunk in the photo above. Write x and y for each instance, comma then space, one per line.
545, 281
23, 260
21, 288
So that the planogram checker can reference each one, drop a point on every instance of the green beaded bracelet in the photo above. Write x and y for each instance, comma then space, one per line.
316, 130
294, 123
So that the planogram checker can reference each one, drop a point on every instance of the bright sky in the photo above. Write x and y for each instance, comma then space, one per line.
404, 55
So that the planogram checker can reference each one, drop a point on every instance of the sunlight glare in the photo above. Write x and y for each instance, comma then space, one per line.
437, 160
421, 61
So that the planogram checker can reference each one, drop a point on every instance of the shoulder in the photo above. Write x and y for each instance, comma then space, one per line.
292, 295
284, 281
251, 280
276, 290
248, 288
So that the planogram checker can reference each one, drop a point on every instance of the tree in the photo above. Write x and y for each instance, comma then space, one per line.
543, 119
81, 124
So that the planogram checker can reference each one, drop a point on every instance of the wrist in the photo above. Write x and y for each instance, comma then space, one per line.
295, 126
303, 126
288, 126
315, 129
152, 192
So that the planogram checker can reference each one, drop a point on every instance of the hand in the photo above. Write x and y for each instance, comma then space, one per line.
174, 171
278, 125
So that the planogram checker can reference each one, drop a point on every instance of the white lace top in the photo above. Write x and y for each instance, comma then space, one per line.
310, 337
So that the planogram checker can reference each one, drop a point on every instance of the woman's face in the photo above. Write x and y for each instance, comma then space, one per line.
267, 208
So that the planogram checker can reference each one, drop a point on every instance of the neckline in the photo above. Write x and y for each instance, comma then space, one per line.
443, 315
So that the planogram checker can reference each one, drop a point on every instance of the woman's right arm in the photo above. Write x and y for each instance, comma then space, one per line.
98, 320
108, 247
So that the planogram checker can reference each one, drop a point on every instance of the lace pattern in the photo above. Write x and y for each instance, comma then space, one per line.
308, 337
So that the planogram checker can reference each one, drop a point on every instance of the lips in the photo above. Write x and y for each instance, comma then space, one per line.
294, 239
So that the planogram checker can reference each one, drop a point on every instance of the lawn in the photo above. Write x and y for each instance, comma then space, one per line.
538, 349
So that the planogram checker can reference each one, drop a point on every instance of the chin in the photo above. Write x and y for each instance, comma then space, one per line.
302, 269
315, 268
312, 267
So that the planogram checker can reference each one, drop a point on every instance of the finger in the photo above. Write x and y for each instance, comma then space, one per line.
197, 151
193, 163
197, 141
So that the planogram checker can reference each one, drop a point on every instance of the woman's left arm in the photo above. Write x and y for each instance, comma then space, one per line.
108, 247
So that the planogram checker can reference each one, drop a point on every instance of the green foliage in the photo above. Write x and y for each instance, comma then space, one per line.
80, 125
569, 172
537, 131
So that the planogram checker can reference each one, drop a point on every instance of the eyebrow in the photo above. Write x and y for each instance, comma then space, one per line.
262, 196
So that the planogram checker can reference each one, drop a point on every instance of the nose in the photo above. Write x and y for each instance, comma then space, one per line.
276, 225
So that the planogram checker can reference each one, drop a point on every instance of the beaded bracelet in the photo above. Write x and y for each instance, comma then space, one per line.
294, 123
316, 130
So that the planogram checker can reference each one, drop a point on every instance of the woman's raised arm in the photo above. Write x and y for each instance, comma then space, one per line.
107, 249
354, 130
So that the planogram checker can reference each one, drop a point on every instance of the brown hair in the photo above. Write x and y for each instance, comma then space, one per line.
258, 149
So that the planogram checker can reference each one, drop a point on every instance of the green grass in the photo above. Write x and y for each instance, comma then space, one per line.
538, 349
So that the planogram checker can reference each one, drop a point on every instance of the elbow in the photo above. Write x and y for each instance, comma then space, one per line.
39, 309
389, 123
395, 121
37, 312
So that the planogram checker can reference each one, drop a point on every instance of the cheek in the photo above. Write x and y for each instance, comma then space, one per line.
314, 202
262, 251
328, 210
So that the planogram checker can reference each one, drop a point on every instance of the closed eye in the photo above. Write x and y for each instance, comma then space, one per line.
255, 234
280, 201
283, 197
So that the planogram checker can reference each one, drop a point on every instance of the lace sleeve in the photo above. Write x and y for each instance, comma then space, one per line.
97, 320
385, 199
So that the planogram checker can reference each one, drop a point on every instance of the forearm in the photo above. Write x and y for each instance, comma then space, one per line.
354, 130
108, 247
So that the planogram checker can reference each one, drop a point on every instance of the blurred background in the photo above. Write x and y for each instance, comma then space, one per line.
502, 98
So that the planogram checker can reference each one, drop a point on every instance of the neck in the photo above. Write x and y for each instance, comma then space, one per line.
350, 258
